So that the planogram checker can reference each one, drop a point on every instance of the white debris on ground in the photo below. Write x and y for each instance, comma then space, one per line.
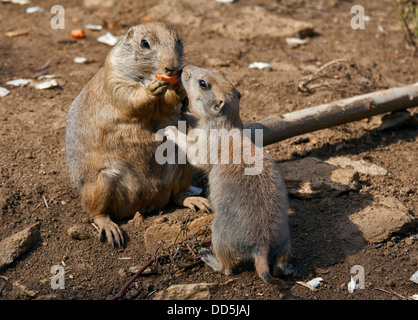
108, 39
47, 84
261, 66
19, 82
34, 9
4, 92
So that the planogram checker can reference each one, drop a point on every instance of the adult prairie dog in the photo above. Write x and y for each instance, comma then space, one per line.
251, 209
111, 126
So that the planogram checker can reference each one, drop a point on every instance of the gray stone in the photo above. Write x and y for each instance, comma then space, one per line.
14, 246
194, 291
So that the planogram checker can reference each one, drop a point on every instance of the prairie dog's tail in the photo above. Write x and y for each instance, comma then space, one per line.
263, 270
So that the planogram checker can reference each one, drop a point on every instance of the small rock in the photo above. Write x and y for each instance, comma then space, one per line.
162, 232
398, 120
94, 27
135, 269
14, 246
4, 92
352, 285
81, 60
414, 277
80, 232
19, 82
377, 222
389, 283
23, 290
47, 84
295, 42
34, 9
108, 39
321, 271
408, 241
195, 291
314, 283
137, 221
201, 225
261, 66
122, 273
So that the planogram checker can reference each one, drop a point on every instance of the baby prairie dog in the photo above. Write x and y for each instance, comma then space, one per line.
111, 126
251, 219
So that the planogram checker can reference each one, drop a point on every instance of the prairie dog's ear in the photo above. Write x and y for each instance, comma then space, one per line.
219, 105
130, 33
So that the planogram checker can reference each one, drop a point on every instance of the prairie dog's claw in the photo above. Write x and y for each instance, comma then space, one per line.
157, 87
110, 231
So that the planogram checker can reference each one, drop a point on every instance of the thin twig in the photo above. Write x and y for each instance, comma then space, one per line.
46, 203
303, 85
126, 286
393, 292
152, 259
326, 65
36, 207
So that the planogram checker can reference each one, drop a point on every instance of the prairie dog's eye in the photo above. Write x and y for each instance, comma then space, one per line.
204, 85
145, 44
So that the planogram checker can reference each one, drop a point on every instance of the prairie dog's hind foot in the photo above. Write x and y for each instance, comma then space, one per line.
210, 260
110, 231
283, 269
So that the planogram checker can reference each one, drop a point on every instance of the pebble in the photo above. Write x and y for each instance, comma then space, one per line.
80, 232
47, 84
94, 27
3, 92
34, 9
261, 66
108, 39
19, 82
409, 241
389, 283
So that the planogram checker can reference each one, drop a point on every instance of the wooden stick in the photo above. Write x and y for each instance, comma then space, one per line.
132, 279
281, 127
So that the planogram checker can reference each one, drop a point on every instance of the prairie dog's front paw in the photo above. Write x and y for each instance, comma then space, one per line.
157, 87
110, 231
171, 133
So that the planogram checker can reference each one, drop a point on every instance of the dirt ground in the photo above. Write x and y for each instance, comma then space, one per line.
35, 185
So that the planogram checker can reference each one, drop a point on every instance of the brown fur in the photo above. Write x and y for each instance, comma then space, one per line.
250, 210
111, 126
